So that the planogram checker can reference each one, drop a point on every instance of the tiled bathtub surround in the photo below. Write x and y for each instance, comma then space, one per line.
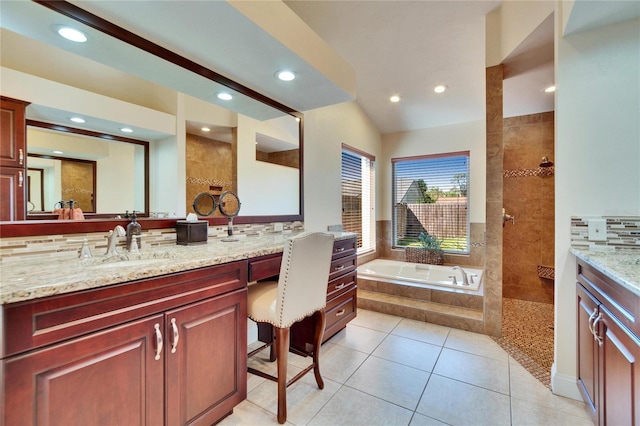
622, 232
48, 246
528, 194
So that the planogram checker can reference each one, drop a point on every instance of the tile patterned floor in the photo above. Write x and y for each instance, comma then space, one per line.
387, 370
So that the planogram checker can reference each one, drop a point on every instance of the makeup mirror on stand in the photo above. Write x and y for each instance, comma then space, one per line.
229, 205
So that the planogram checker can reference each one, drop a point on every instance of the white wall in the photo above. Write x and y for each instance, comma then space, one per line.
325, 129
469, 136
597, 156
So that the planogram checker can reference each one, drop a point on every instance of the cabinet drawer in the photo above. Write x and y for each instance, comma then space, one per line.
342, 248
342, 266
341, 285
265, 267
339, 312
53, 319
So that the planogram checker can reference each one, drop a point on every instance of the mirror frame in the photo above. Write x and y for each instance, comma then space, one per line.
45, 227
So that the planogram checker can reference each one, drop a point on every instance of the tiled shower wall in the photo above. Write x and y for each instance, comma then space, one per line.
203, 175
528, 195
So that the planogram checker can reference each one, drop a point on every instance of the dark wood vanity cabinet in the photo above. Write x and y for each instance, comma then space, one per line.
13, 159
342, 301
168, 350
608, 348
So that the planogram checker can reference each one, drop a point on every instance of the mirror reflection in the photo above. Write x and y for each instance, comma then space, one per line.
160, 101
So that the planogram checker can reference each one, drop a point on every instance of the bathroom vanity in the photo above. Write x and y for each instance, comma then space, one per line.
608, 346
153, 339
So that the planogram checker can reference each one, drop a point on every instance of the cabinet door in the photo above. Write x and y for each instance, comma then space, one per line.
12, 190
206, 359
619, 374
587, 349
13, 151
106, 378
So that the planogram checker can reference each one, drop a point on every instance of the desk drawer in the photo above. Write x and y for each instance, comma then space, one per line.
265, 267
341, 285
342, 266
339, 312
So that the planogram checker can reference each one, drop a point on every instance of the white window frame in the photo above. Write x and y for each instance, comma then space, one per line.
364, 185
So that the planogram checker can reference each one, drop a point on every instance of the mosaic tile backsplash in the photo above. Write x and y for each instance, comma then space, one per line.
51, 246
622, 232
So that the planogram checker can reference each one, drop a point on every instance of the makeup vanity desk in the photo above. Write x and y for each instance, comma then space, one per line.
130, 341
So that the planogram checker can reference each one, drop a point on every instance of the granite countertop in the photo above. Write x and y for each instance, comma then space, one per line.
31, 278
622, 266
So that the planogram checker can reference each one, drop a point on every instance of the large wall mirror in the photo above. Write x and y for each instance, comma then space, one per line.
165, 100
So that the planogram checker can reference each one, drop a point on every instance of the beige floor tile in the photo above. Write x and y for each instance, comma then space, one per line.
474, 369
354, 408
526, 387
408, 352
337, 362
247, 413
528, 413
390, 381
422, 331
474, 343
359, 338
454, 402
375, 320
304, 398
422, 420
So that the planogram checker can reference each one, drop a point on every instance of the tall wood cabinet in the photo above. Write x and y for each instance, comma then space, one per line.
608, 348
13, 159
168, 350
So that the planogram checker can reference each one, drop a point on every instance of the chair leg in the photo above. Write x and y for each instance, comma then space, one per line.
282, 356
319, 334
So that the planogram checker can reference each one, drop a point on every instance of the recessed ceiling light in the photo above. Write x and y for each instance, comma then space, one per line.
286, 75
205, 129
57, 152
126, 130
550, 89
225, 96
394, 98
72, 34
440, 88
78, 120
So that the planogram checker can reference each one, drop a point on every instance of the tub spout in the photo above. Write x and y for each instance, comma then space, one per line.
465, 279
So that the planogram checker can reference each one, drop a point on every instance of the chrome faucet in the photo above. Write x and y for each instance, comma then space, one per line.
112, 240
465, 279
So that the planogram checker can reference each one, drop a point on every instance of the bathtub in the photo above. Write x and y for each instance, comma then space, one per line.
419, 274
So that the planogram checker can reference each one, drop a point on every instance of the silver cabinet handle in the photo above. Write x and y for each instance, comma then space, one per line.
158, 341
341, 312
339, 249
20, 157
595, 330
339, 268
20, 179
591, 318
341, 286
176, 336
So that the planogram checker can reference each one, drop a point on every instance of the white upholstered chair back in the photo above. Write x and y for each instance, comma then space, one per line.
304, 272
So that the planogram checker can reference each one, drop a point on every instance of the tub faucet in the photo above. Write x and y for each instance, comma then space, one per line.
112, 240
465, 280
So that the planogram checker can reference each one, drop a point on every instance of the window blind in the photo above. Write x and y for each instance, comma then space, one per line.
431, 194
358, 196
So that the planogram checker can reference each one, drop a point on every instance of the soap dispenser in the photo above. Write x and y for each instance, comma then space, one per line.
134, 230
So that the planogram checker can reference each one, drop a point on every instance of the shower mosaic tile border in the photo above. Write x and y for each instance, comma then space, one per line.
622, 232
540, 171
52, 246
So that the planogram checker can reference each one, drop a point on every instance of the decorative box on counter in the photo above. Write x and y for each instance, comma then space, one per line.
191, 232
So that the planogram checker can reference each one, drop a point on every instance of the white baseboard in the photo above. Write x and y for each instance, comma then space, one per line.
564, 385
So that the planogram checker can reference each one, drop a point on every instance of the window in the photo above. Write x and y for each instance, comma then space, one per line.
431, 194
358, 196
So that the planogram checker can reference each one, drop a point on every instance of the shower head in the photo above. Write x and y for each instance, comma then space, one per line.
546, 162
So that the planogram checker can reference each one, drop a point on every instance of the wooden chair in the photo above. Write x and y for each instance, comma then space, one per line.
301, 291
